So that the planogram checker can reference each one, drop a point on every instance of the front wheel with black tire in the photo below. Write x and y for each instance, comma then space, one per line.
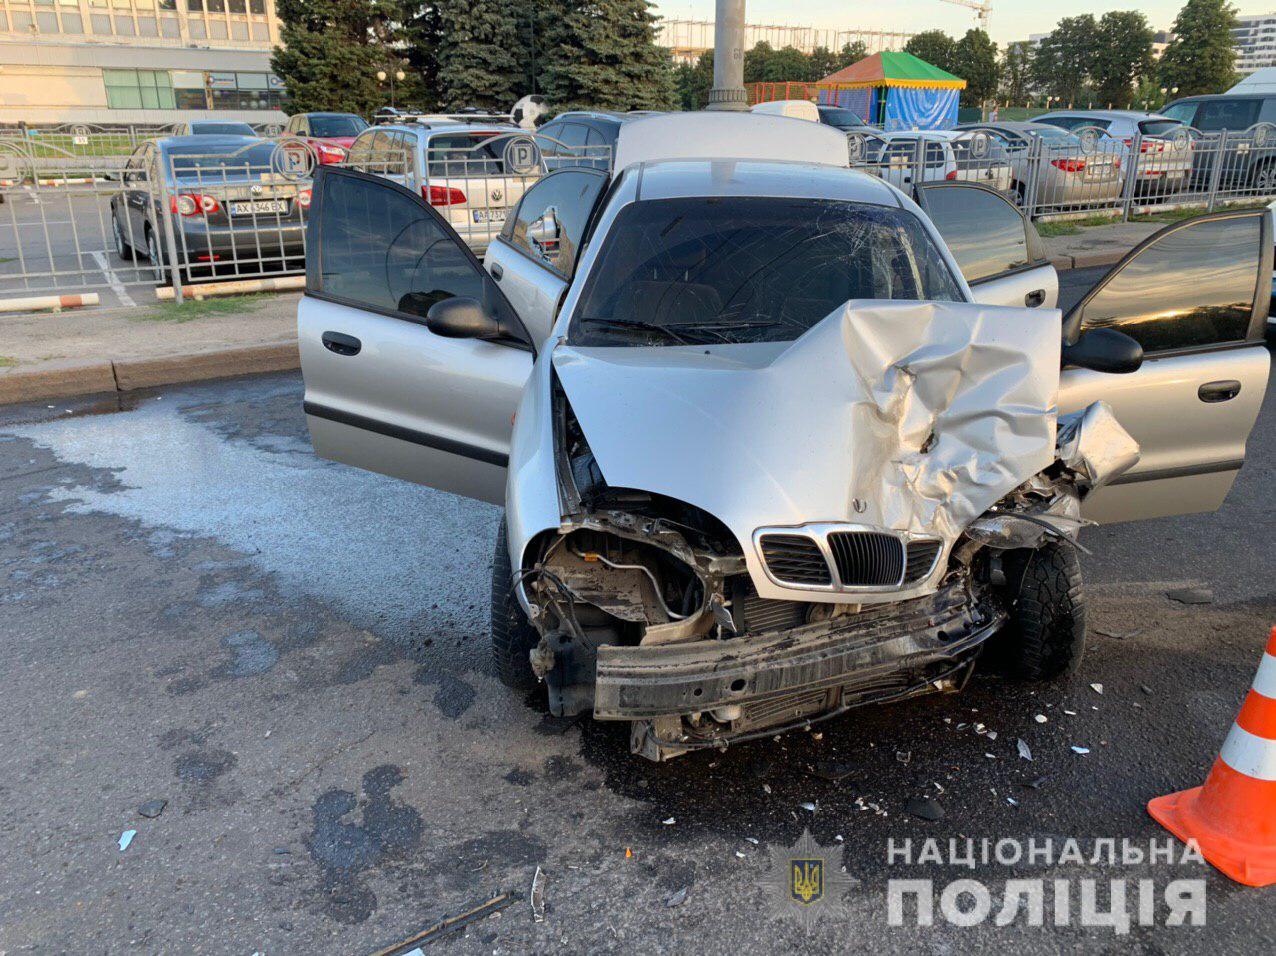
513, 637
1045, 638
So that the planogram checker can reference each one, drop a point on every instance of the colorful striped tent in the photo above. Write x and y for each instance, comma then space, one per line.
895, 91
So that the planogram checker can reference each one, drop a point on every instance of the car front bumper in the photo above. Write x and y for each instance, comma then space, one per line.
884, 649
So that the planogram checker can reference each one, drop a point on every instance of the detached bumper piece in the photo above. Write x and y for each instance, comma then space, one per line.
883, 652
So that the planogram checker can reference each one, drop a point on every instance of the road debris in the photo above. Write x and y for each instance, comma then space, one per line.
1097, 688
1024, 750
431, 933
925, 807
677, 897
1191, 595
809, 807
903, 756
1012, 801
538, 896
1080, 750
669, 821
1071, 713
126, 838
833, 770
1036, 784
152, 808
1041, 718
1118, 635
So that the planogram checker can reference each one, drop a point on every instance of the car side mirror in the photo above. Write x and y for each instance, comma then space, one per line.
461, 317
1103, 350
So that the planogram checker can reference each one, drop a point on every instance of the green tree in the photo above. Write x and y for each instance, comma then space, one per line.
756, 62
331, 52
935, 47
821, 63
1200, 58
421, 34
477, 65
694, 81
851, 53
1061, 65
1123, 55
788, 64
975, 61
1016, 64
602, 54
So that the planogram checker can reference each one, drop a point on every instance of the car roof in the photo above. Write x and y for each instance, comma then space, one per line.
1113, 114
328, 113
1013, 126
441, 128
585, 116
676, 178
729, 135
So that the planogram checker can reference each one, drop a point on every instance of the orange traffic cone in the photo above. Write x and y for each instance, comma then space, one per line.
1233, 817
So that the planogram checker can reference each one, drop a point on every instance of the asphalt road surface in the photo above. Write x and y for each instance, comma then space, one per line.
293, 655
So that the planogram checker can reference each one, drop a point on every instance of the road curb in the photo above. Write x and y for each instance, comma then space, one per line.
65, 379
1088, 260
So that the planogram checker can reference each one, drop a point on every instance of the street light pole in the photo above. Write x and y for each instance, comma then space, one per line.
393, 75
728, 58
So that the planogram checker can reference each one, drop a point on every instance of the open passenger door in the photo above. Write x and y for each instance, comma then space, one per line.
1196, 296
387, 385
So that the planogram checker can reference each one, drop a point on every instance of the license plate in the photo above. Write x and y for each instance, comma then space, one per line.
257, 207
489, 215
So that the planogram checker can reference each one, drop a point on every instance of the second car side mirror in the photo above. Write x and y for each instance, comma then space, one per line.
1103, 350
461, 317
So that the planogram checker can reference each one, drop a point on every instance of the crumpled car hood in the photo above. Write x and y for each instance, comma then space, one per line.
911, 416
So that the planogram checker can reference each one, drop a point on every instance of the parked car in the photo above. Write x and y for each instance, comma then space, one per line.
765, 451
1245, 164
465, 171
945, 155
793, 109
1165, 155
1066, 175
213, 128
331, 134
843, 119
580, 138
232, 212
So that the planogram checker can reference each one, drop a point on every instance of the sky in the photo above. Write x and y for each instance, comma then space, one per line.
1011, 19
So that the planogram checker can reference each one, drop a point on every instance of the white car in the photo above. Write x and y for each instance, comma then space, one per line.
774, 441
940, 154
473, 174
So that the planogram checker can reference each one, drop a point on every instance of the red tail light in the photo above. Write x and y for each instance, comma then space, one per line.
952, 174
329, 155
442, 195
303, 199
193, 204
1147, 146
1069, 165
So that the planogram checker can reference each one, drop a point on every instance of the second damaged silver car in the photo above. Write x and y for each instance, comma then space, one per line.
773, 439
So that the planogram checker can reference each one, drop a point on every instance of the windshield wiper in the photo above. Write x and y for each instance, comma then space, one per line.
641, 327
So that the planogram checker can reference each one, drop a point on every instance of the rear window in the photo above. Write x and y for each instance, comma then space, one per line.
1158, 127
461, 155
227, 160
336, 125
1056, 137
712, 271
842, 119
222, 129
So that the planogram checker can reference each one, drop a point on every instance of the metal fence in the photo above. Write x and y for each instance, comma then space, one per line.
89, 209
1084, 171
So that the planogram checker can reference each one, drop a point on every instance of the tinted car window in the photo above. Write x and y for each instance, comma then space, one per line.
985, 233
1183, 112
841, 118
1158, 127
1193, 287
377, 245
222, 129
360, 150
459, 155
336, 126
219, 159
1227, 113
550, 219
713, 270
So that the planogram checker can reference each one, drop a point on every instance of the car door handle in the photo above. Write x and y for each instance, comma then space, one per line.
496, 271
1034, 298
341, 343
1220, 391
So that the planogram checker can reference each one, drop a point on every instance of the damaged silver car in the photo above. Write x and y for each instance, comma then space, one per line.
773, 439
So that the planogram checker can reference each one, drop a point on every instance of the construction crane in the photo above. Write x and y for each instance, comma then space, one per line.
982, 8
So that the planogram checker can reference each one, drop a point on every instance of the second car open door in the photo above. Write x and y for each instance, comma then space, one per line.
383, 391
